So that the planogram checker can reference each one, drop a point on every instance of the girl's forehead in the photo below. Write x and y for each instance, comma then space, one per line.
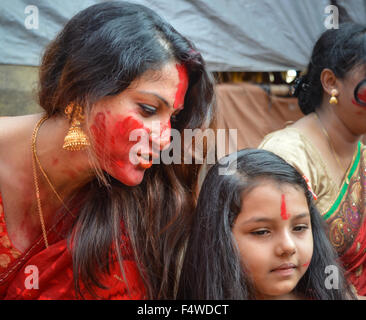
270, 198
263, 186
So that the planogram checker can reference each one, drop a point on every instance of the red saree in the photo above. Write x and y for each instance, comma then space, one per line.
53, 266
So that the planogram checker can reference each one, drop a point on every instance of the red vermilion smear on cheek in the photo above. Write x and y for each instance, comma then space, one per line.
182, 86
356, 103
98, 128
306, 264
362, 97
284, 214
113, 140
121, 133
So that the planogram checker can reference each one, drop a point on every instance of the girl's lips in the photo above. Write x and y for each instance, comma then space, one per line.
285, 268
284, 272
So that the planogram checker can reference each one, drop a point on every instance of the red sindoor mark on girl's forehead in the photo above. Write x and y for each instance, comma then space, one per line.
182, 86
284, 214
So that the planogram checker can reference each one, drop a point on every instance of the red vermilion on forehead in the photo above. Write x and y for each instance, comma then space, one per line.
284, 214
182, 86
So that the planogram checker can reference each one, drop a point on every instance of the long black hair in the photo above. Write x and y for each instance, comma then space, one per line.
212, 267
339, 50
99, 53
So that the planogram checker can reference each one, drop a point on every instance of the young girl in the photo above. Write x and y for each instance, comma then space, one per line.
256, 234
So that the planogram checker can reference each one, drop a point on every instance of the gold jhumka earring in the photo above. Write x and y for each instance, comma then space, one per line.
333, 99
75, 139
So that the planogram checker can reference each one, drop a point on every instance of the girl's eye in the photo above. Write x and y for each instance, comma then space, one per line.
260, 232
301, 228
148, 109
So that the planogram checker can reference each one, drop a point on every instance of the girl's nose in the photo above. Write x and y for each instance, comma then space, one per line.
286, 245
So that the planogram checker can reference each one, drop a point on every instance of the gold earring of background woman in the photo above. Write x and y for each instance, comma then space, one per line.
333, 99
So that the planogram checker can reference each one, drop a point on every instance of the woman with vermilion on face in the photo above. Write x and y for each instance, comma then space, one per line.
81, 200
256, 234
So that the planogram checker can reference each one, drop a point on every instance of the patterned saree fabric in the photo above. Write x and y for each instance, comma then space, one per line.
47, 274
343, 208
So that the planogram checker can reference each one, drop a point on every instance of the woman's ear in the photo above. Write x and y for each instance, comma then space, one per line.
329, 82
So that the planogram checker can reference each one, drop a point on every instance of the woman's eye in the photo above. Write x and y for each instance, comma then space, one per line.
260, 232
301, 228
148, 109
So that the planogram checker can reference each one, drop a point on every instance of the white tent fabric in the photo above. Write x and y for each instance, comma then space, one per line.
232, 35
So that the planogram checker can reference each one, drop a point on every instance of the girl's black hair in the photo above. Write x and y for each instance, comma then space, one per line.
212, 267
339, 50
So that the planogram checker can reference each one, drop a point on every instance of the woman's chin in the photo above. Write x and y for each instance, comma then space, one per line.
126, 173
131, 179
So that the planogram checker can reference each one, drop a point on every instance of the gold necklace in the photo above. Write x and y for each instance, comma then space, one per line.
44, 173
331, 146
36, 184
35, 177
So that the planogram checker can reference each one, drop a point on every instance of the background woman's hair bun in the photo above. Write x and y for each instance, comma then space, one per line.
300, 84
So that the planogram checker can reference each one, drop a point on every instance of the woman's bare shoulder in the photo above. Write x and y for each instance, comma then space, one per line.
14, 131
15, 138
5, 128
12, 126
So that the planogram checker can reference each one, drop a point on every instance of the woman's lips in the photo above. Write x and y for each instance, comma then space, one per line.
140, 160
146, 159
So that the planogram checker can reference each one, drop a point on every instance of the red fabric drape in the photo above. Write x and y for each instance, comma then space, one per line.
46, 273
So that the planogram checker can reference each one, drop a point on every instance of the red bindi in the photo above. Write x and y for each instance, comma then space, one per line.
182, 86
284, 214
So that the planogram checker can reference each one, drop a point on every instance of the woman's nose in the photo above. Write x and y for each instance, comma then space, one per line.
160, 135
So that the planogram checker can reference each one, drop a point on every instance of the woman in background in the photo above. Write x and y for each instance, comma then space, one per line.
325, 145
